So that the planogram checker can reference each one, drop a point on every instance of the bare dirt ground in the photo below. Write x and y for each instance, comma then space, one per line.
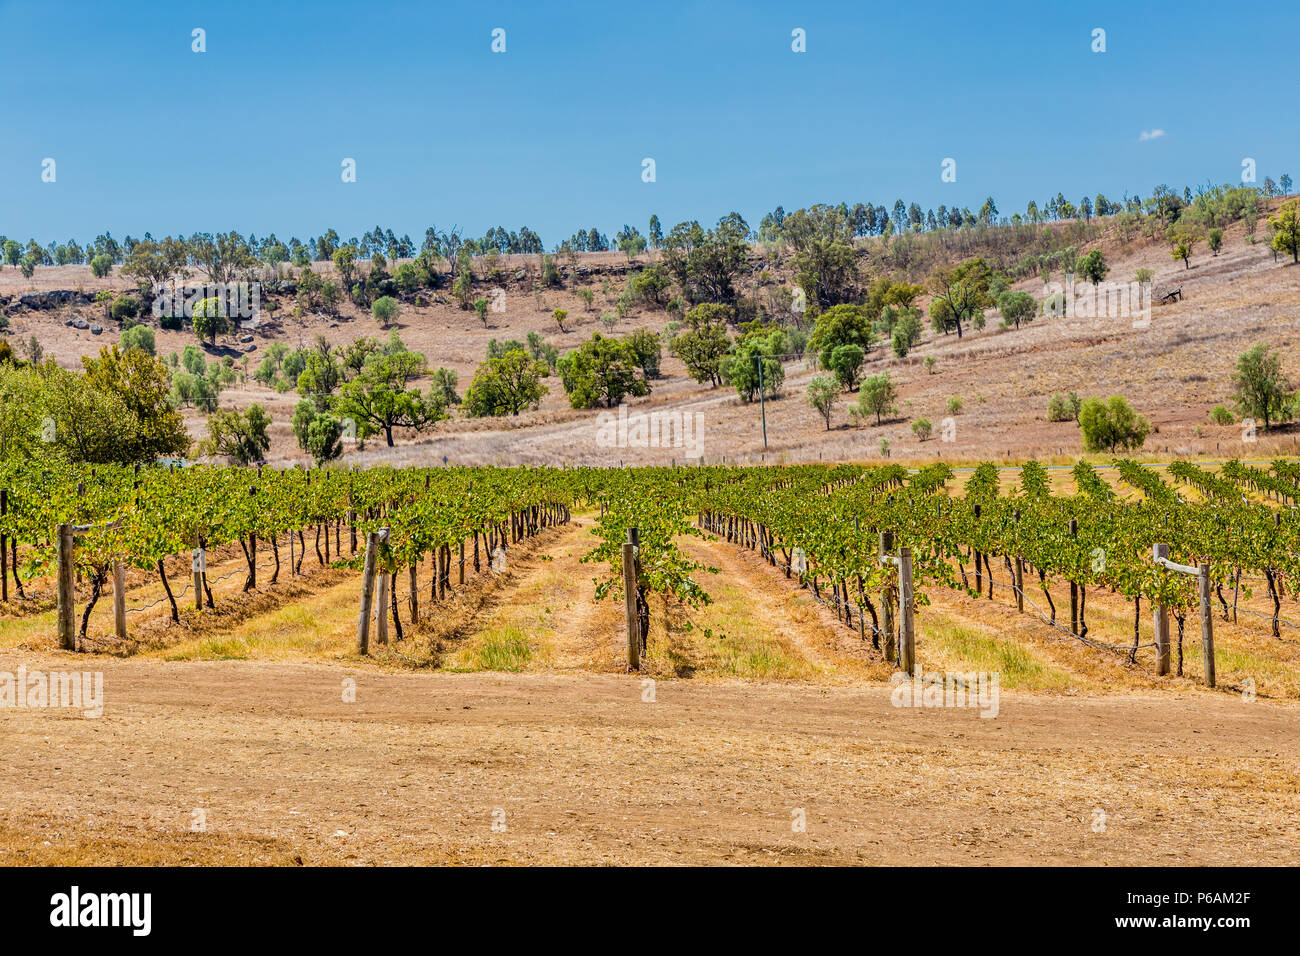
502, 730
581, 770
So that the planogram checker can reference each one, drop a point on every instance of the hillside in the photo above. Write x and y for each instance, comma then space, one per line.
1174, 372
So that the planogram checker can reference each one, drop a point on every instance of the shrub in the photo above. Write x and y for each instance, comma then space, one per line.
1054, 305
1221, 416
100, 266
907, 332
139, 337
921, 428
1063, 408
954, 406
385, 310
125, 308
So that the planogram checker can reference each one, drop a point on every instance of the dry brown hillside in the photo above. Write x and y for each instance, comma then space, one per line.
1174, 371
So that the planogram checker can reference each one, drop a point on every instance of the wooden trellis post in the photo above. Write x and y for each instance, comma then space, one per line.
4, 548
381, 610
906, 619
197, 567
888, 647
66, 593
1161, 619
1074, 588
907, 627
1019, 567
629, 595
367, 593
1207, 624
1202, 573
119, 600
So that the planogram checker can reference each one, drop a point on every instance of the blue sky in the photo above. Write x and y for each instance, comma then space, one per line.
150, 136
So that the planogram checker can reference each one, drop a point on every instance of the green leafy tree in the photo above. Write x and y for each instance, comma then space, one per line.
1184, 244
1092, 266
319, 434
825, 261
645, 344
1111, 424
1286, 229
125, 308
706, 264
100, 266
702, 347
1260, 388
539, 350
381, 398
240, 436
320, 377
877, 396
602, 371
837, 326
325, 439
1017, 307
960, 293
1063, 408
907, 332
650, 287
345, 264
846, 363
210, 320
755, 350
444, 386
506, 385
140, 384
1214, 239
823, 390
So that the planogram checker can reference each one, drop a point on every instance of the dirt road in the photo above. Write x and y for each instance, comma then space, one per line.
582, 769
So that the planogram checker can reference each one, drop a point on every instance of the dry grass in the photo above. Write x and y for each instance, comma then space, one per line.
1174, 371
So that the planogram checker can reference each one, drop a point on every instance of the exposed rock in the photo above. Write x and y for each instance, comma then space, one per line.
96, 330
80, 323
54, 298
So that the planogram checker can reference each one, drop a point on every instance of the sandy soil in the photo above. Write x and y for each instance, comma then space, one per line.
580, 769
569, 760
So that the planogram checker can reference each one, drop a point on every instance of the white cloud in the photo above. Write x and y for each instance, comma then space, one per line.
1150, 134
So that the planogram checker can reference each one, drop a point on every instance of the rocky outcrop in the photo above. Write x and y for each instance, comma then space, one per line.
40, 301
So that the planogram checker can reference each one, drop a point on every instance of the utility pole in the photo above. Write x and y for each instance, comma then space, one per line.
761, 403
